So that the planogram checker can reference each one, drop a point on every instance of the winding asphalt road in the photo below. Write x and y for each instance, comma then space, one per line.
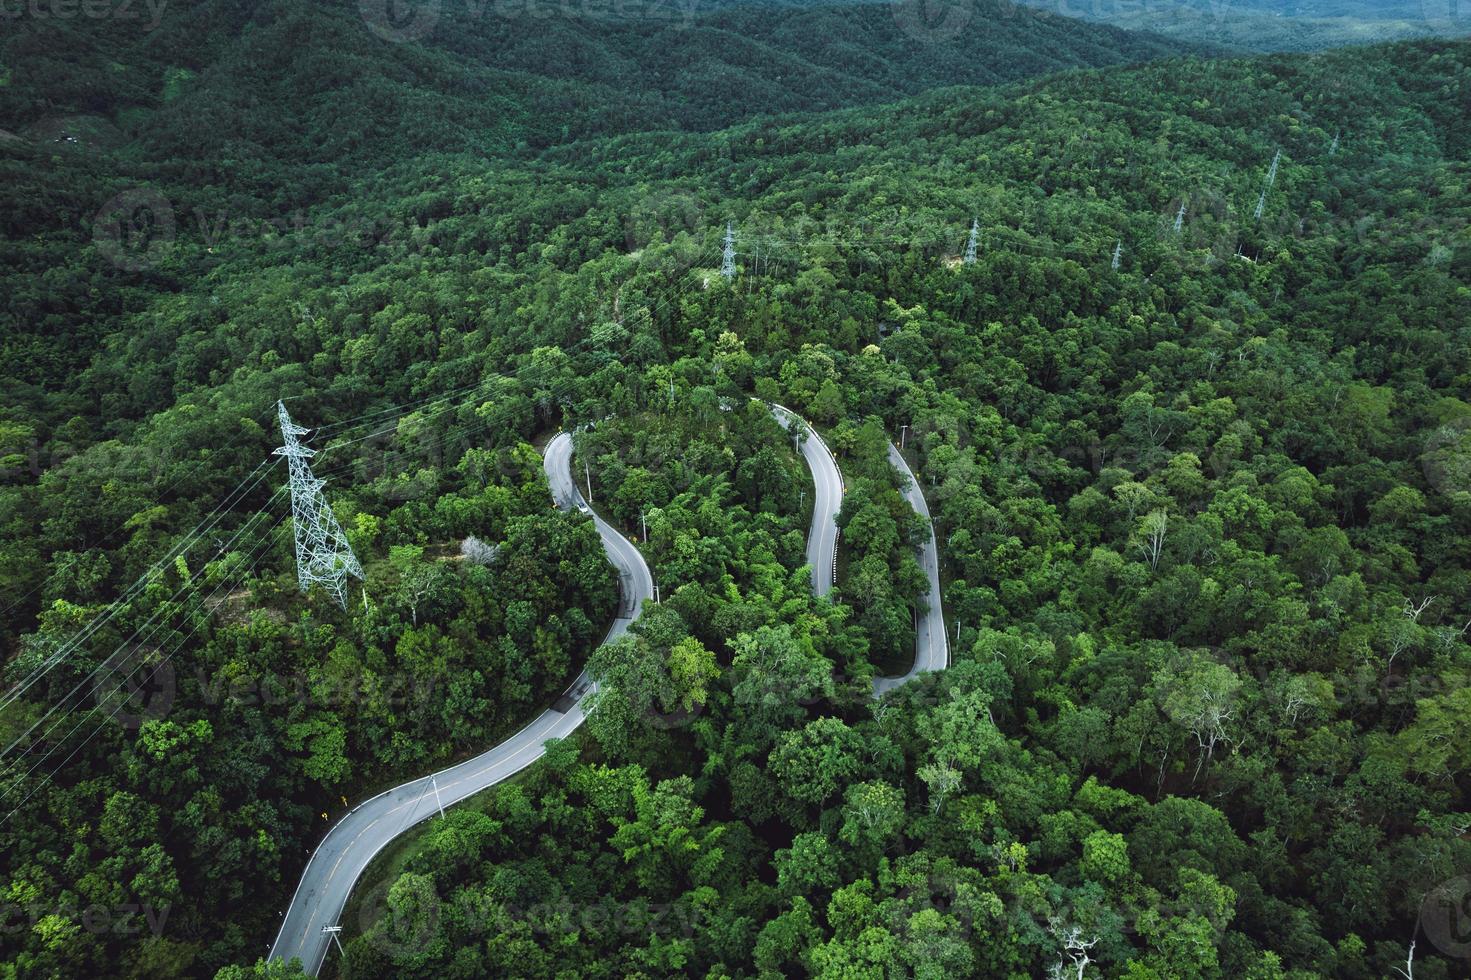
827, 500
369, 827
358, 837
931, 648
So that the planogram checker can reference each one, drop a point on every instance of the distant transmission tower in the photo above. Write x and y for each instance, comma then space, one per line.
322, 552
970, 243
1261, 202
1180, 218
1118, 251
727, 260
1334, 148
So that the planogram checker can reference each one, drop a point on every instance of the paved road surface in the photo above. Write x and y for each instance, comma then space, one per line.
369, 827
822, 538
353, 843
931, 648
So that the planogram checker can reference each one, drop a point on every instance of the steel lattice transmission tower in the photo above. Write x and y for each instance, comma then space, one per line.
970, 243
1261, 202
322, 552
727, 258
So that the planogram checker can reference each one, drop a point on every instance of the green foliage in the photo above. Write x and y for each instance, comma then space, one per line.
1201, 523
270, 722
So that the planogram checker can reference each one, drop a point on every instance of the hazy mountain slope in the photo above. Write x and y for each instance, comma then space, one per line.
1275, 25
223, 81
233, 108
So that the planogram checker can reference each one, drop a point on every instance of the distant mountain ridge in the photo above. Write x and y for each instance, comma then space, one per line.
1276, 25
238, 108
500, 77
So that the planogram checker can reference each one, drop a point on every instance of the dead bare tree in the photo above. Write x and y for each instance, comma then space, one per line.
1073, 957
478, 552
1413, 612
1408, 970
1154, 526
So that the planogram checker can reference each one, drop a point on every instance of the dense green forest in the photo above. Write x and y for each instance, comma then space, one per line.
256, 121
543, 70
1203, 517
1201, 526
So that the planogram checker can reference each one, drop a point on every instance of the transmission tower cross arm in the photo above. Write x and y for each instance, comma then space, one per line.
289, 428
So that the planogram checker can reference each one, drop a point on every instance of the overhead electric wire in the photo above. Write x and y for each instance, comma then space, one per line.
136, 635
114, 608
156, 502
567, 384
562, 386
193, 535
162, 493
266, 543
453, 399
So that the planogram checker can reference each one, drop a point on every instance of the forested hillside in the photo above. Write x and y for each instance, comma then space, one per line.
1203, 539
246, 116
1200, 496
491, 77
